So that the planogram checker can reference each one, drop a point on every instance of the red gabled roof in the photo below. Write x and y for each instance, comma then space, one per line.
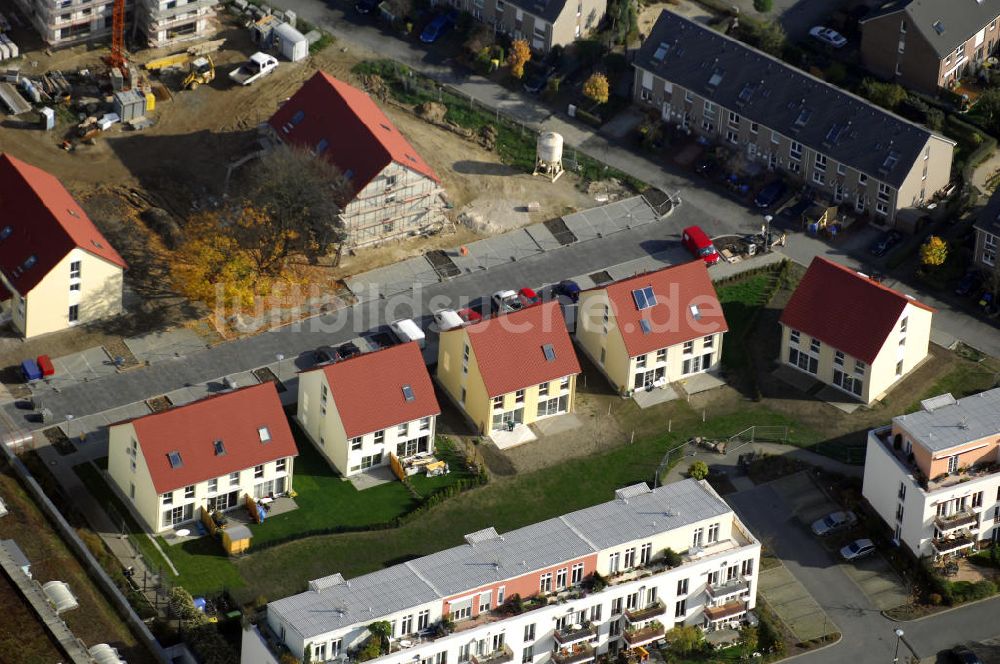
509, 348
192, 429
671, 321
845, 309
359, 139
367, 389
45, 222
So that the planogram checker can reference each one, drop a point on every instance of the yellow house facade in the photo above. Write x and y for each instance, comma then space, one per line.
655, 328
510, 370
56, 269
852, 333
359, 411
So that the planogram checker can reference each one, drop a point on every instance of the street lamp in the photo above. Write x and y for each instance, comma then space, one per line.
767, 231
899, 637
280, 357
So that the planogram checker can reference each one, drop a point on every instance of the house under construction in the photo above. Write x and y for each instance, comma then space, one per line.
162, 22
395, 192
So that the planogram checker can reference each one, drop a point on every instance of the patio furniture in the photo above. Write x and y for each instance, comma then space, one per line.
183, 532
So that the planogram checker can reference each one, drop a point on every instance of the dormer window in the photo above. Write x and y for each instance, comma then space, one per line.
5, 232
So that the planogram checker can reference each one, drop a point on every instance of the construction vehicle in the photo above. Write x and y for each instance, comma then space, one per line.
202, 71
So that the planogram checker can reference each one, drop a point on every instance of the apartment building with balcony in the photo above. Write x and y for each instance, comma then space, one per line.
56, 268
564, 590
166, 22
206, 455
840, 145
934, 475
987, 229
360, 411
654, 328
394, 193
846, 330
928, 45
510, 370
542, 23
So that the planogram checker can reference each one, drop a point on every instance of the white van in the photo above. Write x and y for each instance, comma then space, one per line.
448, 319
406, 330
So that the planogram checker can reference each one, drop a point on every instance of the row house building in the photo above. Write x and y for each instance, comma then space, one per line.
360, 411
394, 193
654, 328
987, 229
847, 149
566, 590
542, 23
929, 45
846, 330
206, 455
56, 268
934, 475
510, 370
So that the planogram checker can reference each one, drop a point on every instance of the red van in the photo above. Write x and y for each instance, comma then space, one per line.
699, 245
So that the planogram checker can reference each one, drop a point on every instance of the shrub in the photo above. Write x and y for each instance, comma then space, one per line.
520, 54
597, 88
698, 470
886, 95
934, 251
763, 6
934, 599
671, 557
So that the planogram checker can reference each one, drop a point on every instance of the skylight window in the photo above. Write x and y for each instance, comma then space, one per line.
550, 352
695, 312
265, 434
716, 78
219, 448
661, 51
746, 93
321, 146
408, 393
833, 135
348, 174
30, 262
5, 232
890, 161
804, 116
644, 298
298, 117
938, 27
646, 327
175, 460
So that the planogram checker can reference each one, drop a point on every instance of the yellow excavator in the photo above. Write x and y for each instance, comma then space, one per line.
201, 71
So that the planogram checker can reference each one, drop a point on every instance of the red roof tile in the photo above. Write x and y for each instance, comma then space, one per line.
509, 348
845, 309
360, 139
671, 320
367, 389
45, 222
192, 429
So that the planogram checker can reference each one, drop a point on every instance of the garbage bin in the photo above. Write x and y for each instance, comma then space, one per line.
510, 425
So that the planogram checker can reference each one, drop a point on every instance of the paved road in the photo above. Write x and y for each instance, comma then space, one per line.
868, 635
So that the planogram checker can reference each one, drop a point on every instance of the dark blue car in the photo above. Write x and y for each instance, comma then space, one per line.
567, 288
771, 194
438, 26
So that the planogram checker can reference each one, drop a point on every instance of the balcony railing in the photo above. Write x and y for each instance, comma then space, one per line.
946, 546
727, 610
575, 634
501, 656
651, 632
639, 615
732, 587
576, 654
963, 519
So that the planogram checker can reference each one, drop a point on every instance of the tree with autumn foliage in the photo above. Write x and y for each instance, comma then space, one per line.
597, 88
520, 55
934, 251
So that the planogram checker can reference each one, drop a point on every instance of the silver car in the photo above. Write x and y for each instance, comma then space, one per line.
833, 522
857, 549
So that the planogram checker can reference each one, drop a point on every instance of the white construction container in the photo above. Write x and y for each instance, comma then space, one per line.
292, 43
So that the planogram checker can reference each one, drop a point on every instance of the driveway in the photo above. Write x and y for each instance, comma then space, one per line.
793, 604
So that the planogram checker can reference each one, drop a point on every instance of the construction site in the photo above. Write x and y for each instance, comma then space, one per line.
158, 130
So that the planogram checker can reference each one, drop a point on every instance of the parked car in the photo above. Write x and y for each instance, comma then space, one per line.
771, 194
538, 78
258, 66
505, 301
346, 350
696, 241
405, 330
529, 297
963, 655
470, 315
828, 36
969, 284
567, 288
447, 319
366, 6
858, 549
439, 25
833, 522
326, 354
887, 241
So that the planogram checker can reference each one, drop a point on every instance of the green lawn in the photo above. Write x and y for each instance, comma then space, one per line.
741, 300
964, 379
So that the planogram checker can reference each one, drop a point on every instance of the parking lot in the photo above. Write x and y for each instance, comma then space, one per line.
794, 605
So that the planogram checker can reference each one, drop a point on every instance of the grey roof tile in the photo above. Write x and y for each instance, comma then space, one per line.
943, 425
988, 218
334, 603
945, 25
778, 96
